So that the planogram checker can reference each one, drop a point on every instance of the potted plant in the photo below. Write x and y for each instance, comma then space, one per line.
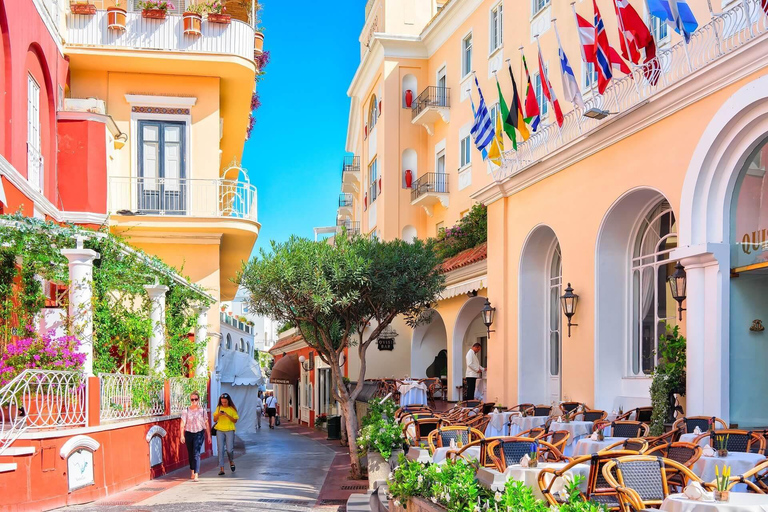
84, 7
382, 440
721, 444
668, 378
193, 19
155, 9
533, 455
258, 42
722, 481
116, 17
217, 13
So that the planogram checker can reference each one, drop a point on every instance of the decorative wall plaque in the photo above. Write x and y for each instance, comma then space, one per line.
80, 469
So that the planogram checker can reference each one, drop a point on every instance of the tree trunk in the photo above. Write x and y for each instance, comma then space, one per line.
351, 426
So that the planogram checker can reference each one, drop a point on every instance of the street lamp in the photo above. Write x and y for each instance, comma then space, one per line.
677, 284
568, 301
488, 315
304, 363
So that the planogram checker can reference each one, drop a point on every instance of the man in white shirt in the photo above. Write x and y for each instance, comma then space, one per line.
474, 370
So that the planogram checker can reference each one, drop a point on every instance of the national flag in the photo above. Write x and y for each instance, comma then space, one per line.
483, 152
587, 39
516, 117
765, 6
482, 129
546, 88
570, 84
496, 150
508, 127
532, 114
636, 40
677, 14
601, 58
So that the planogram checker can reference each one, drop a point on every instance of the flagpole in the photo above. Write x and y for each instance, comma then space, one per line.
560, 47
584, 58
530, 152
549, 87
626, 45
714, 25
748, 18
514, 93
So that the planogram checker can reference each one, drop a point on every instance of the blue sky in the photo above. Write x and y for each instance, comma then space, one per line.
295, 152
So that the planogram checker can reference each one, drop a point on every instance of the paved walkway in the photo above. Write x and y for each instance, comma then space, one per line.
281, 470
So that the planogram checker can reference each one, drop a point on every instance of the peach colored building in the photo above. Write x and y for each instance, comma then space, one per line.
662, 169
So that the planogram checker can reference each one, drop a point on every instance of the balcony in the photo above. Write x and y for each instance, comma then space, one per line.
183, 197
350, 174
430, 189
431, 106
235, 39
352, 227
236, 323
345, 204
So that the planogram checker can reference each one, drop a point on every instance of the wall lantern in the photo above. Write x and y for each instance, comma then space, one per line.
307, 363
568, 301
489, 314
677, 284
386, 339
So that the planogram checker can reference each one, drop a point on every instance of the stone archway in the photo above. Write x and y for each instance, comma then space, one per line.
427, 342
465, 321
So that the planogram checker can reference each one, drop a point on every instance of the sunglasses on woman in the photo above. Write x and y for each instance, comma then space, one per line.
195, 399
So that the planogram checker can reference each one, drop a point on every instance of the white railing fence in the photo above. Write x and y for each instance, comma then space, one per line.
182, 388
723, 34
38, 399
131, 396
183, 197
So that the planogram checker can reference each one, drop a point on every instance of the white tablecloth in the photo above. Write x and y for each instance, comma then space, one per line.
473, 452
520, 424
738, 502
530, 476
586, 446
690, 438
578, 429
740, 463
498, 424
414, 393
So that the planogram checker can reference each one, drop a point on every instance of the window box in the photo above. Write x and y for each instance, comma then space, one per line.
193, 23
223, 19
258, 42
154, 14
116, 18
86, 9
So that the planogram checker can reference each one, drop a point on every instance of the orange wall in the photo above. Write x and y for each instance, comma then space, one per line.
82, 165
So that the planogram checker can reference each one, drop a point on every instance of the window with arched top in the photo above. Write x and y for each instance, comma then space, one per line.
554, 320
373, 112
229, 341
652, 303
241, 347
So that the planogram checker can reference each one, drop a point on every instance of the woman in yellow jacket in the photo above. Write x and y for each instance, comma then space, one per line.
225, 417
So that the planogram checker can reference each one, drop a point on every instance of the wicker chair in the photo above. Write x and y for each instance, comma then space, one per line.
422, 427
442, 436
540, 410
533, 433
641, 480
734, 440
625, 428
558, 439
590, 415
485, 461
642, 414
408, 410
570, 408
471, 404
521, 408
684, 453
479, 422
507, 451
756, 479
705, 424
597, 488
631, 444
668, 437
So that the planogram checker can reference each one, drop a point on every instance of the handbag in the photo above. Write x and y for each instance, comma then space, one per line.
213, 429
277, 421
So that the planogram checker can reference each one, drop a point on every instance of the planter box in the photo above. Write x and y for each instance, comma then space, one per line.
115, 18
153, 14
193, 24
87, 9
379, 469
258, 43
416, 505
224, 19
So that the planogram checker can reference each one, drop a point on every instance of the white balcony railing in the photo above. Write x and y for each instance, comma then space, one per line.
182, 197
168, 35
38, 399
722, 35
182, 388
131, 396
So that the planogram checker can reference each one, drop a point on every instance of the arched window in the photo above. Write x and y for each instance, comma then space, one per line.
652, 303
554, 317
373, 113
241, 347
229, 341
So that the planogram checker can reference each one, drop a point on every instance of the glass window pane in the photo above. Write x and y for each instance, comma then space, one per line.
648, 297
635, 350
150, 133
554, 353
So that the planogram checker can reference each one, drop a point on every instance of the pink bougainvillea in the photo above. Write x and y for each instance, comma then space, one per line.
46, 352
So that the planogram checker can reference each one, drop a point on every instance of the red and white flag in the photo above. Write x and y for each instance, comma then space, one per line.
636, 40
546, 88
587, 39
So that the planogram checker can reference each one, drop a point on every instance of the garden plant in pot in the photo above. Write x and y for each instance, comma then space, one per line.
217, 13
116, 17
381, 439
155, 9
84, 7
193, 19
668, 378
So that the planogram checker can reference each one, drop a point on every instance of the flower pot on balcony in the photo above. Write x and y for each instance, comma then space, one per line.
258, 42
116, 18
153, 14
193, 23
82, 8
223, 19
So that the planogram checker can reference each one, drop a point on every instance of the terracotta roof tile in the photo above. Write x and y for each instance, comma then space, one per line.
466, 257
285, 342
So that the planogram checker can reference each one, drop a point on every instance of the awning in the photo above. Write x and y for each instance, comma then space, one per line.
239, 369
286, 370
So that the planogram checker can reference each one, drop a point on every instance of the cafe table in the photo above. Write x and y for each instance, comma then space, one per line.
523, 423
578, 429
413, 393
587, 446
738, 502
530, 476
497, 426
473, 452
739, 463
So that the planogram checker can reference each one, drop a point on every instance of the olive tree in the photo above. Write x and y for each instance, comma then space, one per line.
342, 295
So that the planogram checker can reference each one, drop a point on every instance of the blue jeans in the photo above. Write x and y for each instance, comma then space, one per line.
226, 442
194, 441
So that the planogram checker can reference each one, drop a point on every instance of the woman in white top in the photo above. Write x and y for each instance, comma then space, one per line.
271, 403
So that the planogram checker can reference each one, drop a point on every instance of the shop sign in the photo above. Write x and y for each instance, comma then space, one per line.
80, 469
749, 228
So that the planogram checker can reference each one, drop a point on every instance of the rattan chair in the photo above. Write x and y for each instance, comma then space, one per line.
558, 439
590, 415
668, 437
597, 488
409, 410
485, 459
642, 414
705, 423
756, 479
442, 436
624, 428
641, 480
684, 453
479, 422
533, 433
422, 427
540, 410
521, 408
571, 408
630, 444
507, 451
734, 440
471, 404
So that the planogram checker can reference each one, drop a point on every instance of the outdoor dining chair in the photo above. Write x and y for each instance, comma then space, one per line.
705, 423
533, 433
442, 436
418, 430
590, 415
684, 453
557, 438
569, 408
642, 414
521, 408
463, 453
479, 422
664, 439
540, 410
623, 428
734, 440
756, 479
631, 444
641, 480
507, 451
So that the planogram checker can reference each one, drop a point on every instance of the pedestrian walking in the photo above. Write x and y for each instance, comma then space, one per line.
271, 403
194, 428
225, 417
259, 409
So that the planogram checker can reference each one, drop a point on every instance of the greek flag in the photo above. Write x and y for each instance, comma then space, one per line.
482, 129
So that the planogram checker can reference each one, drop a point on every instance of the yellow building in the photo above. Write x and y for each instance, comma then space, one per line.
665, 166
179, 97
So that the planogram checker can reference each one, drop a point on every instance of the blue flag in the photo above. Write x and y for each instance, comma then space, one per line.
482, 129
677, 14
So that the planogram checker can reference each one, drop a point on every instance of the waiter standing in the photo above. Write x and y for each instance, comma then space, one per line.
474, 370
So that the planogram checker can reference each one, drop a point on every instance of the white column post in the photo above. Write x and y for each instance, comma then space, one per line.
201, 333
80, 298
707, 313
157, 315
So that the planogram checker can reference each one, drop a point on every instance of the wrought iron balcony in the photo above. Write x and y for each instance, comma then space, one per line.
430, 189
432, 105
345, 200
350, 174
352, 227
182, 197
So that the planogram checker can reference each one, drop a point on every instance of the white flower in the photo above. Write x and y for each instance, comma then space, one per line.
420, 479
391, 475
433, 499
438, 470
476, 509
397, 503
447, 497
497, 497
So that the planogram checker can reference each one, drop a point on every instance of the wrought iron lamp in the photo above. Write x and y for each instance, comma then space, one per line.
304, 363
568, 301
677, 284
489, 314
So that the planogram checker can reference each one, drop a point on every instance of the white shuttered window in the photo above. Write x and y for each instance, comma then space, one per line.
34, 141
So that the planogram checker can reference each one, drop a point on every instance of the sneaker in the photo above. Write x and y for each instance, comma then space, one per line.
221, 472
232, 467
